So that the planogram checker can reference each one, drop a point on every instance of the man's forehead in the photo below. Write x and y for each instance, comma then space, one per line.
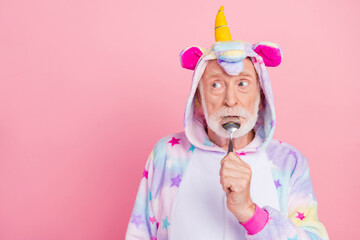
214, 69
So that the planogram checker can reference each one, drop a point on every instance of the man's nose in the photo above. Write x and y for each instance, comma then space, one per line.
230, 98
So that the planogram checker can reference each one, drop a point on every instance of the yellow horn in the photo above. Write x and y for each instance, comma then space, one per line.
222, 31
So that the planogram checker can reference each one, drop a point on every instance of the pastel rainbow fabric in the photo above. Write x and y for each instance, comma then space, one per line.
180, 196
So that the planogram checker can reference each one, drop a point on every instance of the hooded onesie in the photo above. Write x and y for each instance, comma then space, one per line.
180, 195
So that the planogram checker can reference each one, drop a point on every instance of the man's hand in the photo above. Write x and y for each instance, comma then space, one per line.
235, 177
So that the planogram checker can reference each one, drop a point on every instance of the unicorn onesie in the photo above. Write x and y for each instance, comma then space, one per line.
180, 195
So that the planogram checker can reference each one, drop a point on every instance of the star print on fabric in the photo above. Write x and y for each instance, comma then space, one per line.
153, 238
208, 142
145, 174
174, 141
192, 148
293, 153
137, 220
152, 220
241, 154
300, 215
277, 183
165, 223
176, 181
295, 238
272, 123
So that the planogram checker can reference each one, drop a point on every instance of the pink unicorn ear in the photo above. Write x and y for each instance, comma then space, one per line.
270, 52
190, 56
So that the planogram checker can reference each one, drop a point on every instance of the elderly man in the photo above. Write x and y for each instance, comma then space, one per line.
195, 186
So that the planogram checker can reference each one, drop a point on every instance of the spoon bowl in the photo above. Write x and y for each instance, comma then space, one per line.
231, 127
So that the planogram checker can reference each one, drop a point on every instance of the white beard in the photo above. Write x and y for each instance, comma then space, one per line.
214, 121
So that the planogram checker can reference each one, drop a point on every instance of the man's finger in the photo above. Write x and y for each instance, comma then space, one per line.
232, 156
231, 172
226, 189
231, 164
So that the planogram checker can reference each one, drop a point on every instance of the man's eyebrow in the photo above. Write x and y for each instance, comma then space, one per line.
246, 74
213, 73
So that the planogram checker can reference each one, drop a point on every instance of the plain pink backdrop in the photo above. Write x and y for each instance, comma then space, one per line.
88, 87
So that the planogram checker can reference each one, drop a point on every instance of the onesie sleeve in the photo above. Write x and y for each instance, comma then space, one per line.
302, 222
142, 224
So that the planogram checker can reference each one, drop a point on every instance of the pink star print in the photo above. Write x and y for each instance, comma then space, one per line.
145, 174
300, 215
152, 220
242, 153
174, 141
153, 238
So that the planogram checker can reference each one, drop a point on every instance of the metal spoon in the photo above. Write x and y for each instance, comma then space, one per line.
231, 127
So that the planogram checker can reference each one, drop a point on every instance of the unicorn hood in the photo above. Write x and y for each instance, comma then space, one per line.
230, 55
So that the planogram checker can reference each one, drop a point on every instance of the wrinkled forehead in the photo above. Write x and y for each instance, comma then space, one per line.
213, 69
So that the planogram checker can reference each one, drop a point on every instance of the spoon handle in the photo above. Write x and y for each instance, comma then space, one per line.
230, 148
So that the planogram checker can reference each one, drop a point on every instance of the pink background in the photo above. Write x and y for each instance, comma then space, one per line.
88, 87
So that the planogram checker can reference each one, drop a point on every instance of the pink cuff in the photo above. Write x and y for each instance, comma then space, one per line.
257, 222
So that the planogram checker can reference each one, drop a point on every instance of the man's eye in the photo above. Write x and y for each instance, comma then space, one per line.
215, 85
243, 83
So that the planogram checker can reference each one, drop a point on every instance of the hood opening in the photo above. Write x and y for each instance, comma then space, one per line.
194, 120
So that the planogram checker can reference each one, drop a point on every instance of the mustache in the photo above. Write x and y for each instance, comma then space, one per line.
234, 111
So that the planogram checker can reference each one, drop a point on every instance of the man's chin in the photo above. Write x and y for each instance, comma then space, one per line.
219, 130
222, 134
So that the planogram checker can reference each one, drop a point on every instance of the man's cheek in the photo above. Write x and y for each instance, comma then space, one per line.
213, 108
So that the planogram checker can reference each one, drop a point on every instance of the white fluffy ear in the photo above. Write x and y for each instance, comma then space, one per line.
190, 56
270, 52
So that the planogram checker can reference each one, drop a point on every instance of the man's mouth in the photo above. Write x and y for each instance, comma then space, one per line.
230, 118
